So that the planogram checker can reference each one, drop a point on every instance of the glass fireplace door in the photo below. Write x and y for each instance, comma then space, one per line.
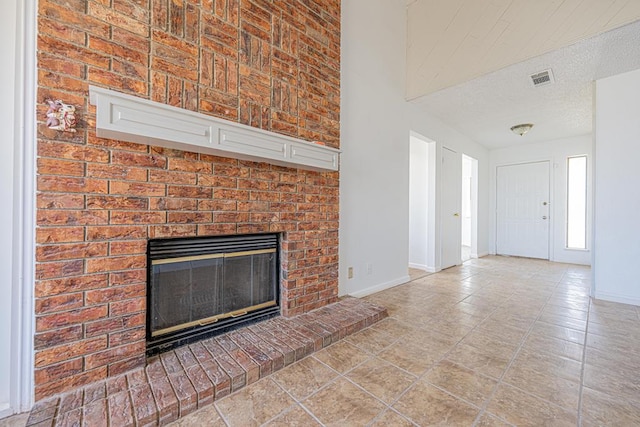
196, 291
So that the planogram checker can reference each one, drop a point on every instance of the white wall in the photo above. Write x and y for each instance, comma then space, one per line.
556, 152
376, 122
374, 164
8, 31
617, 189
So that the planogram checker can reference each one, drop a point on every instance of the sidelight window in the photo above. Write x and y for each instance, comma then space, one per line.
577, 202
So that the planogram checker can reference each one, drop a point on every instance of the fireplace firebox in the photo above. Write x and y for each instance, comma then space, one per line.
202, 286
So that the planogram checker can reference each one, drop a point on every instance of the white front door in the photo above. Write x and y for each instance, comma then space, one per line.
451, 189
522, 199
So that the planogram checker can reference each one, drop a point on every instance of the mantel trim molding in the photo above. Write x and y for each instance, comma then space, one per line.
133, 119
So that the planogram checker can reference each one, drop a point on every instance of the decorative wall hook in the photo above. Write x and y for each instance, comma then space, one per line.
61, 116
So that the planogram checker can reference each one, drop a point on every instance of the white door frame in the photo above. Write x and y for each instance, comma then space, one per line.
552, 167
474, 204
425, 244
22, 95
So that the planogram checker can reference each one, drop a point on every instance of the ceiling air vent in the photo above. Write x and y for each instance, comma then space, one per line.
542, 78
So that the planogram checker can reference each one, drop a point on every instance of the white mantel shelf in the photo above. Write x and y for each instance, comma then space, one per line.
129, 118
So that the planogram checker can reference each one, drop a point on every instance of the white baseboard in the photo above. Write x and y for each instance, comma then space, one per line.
380, 287
423, 267
418, 266
623, 299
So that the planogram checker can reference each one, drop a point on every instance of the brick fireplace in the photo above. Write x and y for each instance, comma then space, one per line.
270, 65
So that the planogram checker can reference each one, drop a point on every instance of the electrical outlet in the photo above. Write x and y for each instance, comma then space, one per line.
369, 269
350, 272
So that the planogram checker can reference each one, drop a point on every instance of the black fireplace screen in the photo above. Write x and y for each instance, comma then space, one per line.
201, 286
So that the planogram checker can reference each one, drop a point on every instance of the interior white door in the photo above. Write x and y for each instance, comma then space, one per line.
522, 199
450, 199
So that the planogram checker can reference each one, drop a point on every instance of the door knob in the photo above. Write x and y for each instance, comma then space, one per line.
544, 203
544, 217
456, 214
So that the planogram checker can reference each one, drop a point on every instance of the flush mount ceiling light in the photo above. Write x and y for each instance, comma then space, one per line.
522, 128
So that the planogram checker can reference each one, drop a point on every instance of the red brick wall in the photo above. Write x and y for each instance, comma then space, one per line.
270, 64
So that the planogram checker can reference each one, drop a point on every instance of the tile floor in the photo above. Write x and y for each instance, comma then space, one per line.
496, 342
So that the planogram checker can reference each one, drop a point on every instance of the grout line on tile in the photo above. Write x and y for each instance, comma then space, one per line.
222, 416
584, 361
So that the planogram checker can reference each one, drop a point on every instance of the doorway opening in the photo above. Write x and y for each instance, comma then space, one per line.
469, 209
422, 202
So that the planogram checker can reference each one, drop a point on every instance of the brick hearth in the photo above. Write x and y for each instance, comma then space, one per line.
181, 381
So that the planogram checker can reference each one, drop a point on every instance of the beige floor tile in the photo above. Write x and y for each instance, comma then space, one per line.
554, 346
567, 322
304, 377
552, 388
391, 418
614, 381
568, 334
513, 318
394, 327
426, 405
612, 319
564, 311
612, 343
342, 403
600, 409
522, 409
566, 302
342, 356
429, 338
18, 420
484, 302
453, 315
617, 330
490, 343
381, 378
489, 420
372, 340
473, 309
613, 308
415, 273
294, 417
502, 332
481, 361
548, 364
409, 357
254, 404
461, 382
204, 417
450, 329
606, 359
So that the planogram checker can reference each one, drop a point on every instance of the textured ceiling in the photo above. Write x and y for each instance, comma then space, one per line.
486, 107
453, 41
